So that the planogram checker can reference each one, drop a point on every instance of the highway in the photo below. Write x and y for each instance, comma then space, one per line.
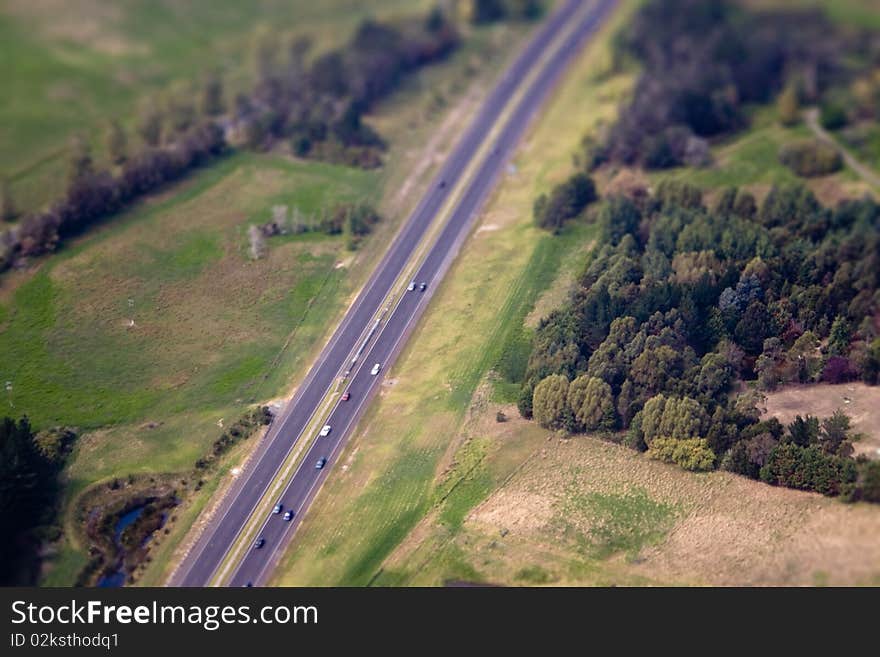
561, 36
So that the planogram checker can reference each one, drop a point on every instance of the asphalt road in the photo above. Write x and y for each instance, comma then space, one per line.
254, 567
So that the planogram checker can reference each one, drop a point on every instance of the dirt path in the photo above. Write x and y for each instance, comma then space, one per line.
811, 116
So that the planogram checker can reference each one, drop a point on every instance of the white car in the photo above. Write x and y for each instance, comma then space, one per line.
376, 368
325, 431
411, 286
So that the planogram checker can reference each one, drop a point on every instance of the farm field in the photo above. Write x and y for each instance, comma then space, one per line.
76, 64
585, 512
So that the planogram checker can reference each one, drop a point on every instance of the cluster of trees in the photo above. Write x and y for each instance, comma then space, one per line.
93, 194
808, 454
702, 62
491, 11
241, 429
566, 201
29, 467
811, 157
354, 220
317, 105
682, 302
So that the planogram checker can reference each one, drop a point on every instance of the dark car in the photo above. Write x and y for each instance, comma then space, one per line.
423, 287
260, 542
346, 396
288, 515
321, 463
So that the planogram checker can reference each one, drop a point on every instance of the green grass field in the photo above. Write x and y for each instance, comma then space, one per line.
71, 65
404, 462
751, 159
857, 13
206, 319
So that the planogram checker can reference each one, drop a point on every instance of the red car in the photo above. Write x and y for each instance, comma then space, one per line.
346, 396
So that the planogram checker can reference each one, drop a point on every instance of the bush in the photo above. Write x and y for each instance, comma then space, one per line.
838, 369
833, 116
565, 202
691, 454
811, 158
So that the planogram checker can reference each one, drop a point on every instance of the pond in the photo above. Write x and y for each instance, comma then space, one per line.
117, 577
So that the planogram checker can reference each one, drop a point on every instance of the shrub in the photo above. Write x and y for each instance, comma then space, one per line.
691, 454
810, 158
565, 202
833, 116
838, 369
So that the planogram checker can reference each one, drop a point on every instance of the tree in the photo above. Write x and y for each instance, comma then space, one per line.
549, 402
150, 124
116, 142
840, 336
804, 359
524, 402
609, 361
264, 53
8, 211
592, 403
837, 369
788, 106
745, 205
804, 431
618, 217
869, 366
656, 369
79, 161
180, 110
753, 328
487, 11
27, 493
834, 437
565, 202
212, 101
748, 456
715, 375
769, 364
868, 483
673, 417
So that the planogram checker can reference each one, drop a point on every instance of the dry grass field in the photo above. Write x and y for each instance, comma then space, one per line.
580, 511
859, 401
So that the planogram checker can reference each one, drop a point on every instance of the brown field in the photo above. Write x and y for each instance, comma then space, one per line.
859, 401
580, 511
